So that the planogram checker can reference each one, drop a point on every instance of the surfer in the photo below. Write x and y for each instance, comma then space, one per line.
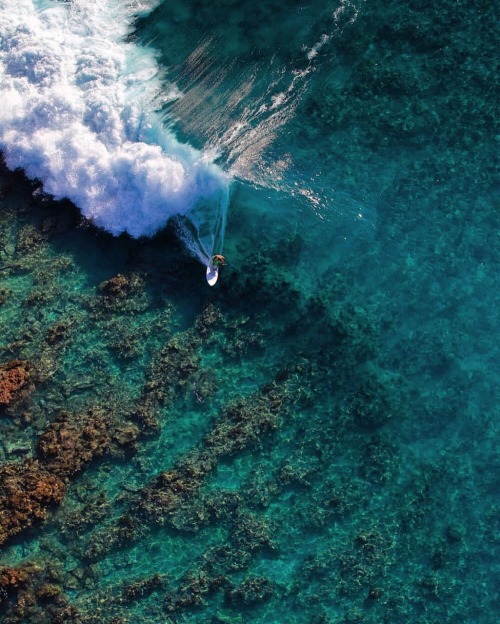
218, 260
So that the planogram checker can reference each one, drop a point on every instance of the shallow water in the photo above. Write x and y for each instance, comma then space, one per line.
315, 438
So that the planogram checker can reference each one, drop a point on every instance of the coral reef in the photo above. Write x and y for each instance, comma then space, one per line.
70, 443
312, 440
13, 578
27, 491
33, 593
239, 426
173, 496
124, 293
250, 592
13, 377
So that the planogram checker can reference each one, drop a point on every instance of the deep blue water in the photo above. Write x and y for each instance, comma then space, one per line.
314, 439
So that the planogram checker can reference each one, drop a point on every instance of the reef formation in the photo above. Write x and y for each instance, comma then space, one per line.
317, 449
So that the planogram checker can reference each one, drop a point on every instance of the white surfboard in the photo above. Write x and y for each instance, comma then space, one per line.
212, 274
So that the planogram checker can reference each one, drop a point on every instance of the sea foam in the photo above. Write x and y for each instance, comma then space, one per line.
77, 111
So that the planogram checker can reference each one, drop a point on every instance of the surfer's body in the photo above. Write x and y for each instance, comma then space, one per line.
218, 260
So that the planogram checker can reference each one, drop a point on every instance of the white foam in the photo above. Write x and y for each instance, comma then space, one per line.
77, 110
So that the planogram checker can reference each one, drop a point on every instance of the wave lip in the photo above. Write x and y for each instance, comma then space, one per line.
78, 109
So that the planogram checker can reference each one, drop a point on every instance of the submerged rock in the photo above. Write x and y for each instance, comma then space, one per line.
33, 593
68, 444
27, 490
13, 377
12, 578
4, 295
249, 592
123, 292
117, 286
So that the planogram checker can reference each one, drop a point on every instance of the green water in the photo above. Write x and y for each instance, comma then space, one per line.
332, 404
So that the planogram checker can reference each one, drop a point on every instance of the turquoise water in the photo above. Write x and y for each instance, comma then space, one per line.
315, 438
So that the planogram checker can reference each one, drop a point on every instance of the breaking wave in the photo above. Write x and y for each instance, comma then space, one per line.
78, 106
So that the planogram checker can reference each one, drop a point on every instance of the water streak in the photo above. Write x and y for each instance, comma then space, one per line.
236, 108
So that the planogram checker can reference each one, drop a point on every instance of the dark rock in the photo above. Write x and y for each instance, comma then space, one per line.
250, 592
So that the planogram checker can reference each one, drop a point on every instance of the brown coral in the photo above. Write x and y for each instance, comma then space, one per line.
117, 286
31, 593
121, 286
13, 376
27, 490
11, 578
68, 444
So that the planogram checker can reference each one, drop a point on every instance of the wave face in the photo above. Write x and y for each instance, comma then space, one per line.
243, 88
77, 111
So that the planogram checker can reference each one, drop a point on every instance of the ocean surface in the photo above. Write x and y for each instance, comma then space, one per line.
312, 440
